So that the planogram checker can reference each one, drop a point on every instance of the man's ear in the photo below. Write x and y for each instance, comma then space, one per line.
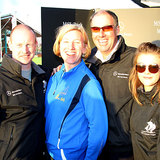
118, 30
10, 45
36, 43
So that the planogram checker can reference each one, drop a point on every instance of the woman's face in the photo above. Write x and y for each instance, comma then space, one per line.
71, 49
147, 78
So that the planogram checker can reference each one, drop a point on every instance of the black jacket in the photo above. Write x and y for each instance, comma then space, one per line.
145, 127
21, 112
113, 76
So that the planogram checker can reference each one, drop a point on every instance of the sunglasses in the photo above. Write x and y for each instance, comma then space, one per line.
153, 68
105, 29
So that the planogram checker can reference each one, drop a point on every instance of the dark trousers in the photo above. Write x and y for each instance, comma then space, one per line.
109, 154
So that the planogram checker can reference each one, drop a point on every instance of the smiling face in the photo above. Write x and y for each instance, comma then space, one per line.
71, 48
23, 45
104, 41
147, 78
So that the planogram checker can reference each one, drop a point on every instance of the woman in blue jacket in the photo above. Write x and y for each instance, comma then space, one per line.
144, 83
81, 134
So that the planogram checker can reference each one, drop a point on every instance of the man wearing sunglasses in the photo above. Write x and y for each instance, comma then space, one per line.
111, 62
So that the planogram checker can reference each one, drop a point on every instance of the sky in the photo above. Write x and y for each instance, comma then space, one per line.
29, 11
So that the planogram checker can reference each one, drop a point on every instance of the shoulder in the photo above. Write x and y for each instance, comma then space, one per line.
93, 85
130, 49
92, 55
3, 72
124, 47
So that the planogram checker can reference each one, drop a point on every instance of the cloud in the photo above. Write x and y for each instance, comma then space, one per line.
28, 11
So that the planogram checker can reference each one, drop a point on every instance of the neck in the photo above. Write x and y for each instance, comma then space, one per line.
27, 74
148, 88
69, 67
26, 67
105, 54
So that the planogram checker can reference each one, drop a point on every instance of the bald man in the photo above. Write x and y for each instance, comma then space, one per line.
22, 89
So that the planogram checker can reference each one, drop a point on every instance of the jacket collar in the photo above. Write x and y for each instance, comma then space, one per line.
145, 97
9, 64
120, 49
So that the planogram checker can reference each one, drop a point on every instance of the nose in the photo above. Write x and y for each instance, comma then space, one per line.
25, 48
71, 45
101, 32
147, 70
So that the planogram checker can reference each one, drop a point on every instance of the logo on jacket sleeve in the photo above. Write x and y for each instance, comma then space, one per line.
14, 93
149, 129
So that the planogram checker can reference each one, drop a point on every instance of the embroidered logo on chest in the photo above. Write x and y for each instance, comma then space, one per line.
61, 96
149, 129
120, 75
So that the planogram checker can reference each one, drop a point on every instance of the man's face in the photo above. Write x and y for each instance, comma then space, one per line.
104, 39
23, 45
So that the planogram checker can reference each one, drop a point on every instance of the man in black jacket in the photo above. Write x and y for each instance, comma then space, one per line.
22, 89
111, 61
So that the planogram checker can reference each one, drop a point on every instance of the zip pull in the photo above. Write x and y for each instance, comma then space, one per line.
58, 143
44, 86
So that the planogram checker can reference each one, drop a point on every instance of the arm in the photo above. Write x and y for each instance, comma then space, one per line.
95, 111
158, 146
56, 69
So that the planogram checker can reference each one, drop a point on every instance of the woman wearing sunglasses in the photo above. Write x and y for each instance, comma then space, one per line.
144, 83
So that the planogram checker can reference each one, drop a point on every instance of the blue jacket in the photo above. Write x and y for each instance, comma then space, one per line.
85, 129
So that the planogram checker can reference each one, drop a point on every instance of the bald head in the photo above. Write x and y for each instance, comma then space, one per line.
105, 12
20, 29
23, 44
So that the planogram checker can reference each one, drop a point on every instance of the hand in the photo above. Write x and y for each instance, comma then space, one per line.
56, 70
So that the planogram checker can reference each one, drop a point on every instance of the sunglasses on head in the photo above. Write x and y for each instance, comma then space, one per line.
153, 68
105, 29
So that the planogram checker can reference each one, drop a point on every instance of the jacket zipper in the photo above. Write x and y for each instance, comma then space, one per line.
58, 143
11, 138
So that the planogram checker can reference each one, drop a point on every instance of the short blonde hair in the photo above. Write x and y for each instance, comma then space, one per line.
62, 30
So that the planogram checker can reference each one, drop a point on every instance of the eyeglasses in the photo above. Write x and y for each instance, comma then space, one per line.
153, 68
105, 29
